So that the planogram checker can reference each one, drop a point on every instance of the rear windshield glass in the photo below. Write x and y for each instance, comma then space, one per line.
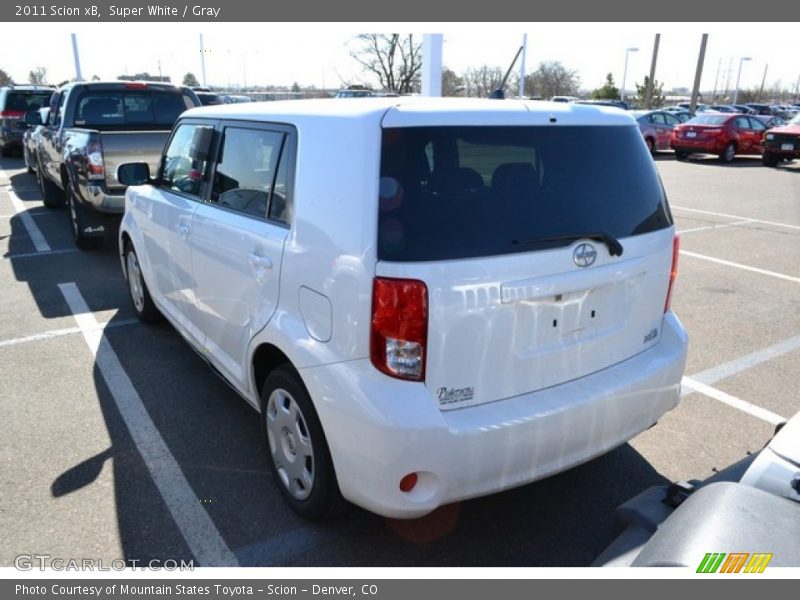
462, 192
27, 101
130, 109
709, 119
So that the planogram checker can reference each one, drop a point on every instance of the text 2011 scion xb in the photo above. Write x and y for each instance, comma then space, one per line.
426, 299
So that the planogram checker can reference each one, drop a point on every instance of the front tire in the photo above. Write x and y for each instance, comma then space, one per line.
770, 160
651, 146
728, 153
298, 451
681, 155
143, 304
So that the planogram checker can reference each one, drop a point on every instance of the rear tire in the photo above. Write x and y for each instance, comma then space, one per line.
681, 155
298, 451
82, 241
770, 160
728, 153
143, 304
651, 146
52, 196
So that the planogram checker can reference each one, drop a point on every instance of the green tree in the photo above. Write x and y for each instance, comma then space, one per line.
295, 87
608, 92
5, 78
656, 100
190, 80
38, 76
552, 79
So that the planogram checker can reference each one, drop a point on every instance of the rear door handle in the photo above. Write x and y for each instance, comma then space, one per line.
259, 262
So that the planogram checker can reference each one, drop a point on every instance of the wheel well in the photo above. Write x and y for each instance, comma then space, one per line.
265, 360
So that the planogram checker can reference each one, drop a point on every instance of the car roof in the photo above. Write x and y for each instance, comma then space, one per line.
419, 111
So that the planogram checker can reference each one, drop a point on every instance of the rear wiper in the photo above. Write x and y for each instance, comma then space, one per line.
614, 247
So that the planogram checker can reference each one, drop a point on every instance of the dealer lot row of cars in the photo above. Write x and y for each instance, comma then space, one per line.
397, 286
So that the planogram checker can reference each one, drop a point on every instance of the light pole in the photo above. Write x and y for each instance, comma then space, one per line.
738, 76
625, 73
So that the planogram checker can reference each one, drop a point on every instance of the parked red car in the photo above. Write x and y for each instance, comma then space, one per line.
782, 143
725, 135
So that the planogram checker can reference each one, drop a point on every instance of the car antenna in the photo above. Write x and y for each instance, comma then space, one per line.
499, 93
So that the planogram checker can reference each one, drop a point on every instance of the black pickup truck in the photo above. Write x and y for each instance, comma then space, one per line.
91, 128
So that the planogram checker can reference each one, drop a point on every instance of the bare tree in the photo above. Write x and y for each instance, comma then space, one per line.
483, 80
38, 76
395, 59
452, 84
552, 79
5, 78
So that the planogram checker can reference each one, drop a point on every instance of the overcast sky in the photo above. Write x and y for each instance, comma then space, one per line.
281, 53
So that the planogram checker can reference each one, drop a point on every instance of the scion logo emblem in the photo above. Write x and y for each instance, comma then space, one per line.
584, 255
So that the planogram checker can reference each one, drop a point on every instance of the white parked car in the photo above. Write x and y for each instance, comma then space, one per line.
426, 299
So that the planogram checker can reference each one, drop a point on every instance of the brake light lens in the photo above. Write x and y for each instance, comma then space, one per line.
399, 331
93, 163
673, 272
12, 114
136, 86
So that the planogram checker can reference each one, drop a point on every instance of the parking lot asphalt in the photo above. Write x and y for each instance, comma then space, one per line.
118, 442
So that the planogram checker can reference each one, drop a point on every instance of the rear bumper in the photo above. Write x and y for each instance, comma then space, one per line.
97, 198
702, 146
380, 429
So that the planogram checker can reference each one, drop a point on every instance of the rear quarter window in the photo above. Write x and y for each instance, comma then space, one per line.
465, 192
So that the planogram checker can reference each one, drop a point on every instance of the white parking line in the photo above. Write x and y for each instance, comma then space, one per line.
737, 365
717, 226
34, 232
739, 217
32, 254
728, 263
54, 333
194, 523
751, 409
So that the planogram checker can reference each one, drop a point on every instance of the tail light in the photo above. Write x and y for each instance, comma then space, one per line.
138, 85
93, 162
673, 272
12, 114
399, 332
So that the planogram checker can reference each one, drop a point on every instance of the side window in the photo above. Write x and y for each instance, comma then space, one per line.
179, 171
756, 125
742, 123
671, 119
657, 118
245, 170
56, 106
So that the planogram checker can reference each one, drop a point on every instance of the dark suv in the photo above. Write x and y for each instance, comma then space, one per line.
15, 101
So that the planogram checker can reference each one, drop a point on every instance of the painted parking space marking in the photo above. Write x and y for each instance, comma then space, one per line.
54, 333
717, 226
36, 254
194, 523
738, 217
728, 263
738, 403
748, 361
32, 228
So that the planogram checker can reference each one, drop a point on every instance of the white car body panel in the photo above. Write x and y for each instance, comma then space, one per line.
543, 401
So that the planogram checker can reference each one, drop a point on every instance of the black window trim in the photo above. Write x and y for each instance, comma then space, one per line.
204, 185
288, 150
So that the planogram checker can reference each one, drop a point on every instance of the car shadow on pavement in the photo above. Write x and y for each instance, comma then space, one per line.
217, 443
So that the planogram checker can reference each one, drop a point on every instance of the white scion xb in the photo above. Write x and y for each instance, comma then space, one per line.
427, 300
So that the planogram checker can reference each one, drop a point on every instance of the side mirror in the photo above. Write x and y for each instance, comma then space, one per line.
200, 148
32, 118
133, 173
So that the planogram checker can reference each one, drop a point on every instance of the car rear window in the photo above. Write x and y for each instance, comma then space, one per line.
130, 109
464, 192
709, 119
23, 102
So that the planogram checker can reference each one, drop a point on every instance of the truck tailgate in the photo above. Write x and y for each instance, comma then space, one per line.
131, 146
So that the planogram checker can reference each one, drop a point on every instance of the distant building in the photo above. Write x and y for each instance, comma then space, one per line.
145, 77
